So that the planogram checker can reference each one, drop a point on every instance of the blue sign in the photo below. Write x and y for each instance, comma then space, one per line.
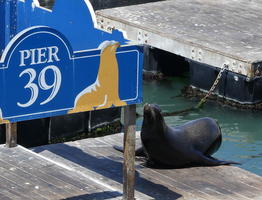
42, 76
58, 63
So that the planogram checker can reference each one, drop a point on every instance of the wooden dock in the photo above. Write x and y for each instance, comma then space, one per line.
92, 169
216, 33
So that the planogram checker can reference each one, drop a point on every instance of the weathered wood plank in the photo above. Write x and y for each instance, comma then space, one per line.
89, 162
203, 178
39, 187
93, 163
237, 189
155, 178
83, 164
15, 191
31, 174
244, 177
50, 168
148, 185
3, 197
145, 186
100, 147
28, 161
11, 195
150, 173
92, 169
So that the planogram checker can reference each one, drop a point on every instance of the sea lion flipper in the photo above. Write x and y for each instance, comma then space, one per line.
210, 161
138, 152
118, 148
224, 162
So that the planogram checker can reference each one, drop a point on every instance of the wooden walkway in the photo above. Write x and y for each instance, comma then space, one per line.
92, 169
211, 32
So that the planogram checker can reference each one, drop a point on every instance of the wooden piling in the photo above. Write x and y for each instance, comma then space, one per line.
11, 135
129, 152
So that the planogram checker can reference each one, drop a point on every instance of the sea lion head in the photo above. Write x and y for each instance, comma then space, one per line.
109, 46
152, 113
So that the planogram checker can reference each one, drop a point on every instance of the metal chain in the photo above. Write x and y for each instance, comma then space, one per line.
213, 87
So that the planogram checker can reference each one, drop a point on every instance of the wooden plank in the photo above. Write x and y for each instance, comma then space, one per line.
185, 189
203, 178
115, 169
178, 189
11, 194
34, 173
34, 185
149, 186
129, 152
11, 135
15, 191
3, 197
96, 156
243, 176
90, 189
201, 184
237, 189
148, 180
50, 169
90, 163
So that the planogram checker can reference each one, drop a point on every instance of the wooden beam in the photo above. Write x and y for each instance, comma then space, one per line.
11, 135
129, 152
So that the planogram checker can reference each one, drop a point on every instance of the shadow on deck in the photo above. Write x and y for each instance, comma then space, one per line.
101, 161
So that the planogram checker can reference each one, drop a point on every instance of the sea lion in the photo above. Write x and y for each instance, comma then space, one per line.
190, 144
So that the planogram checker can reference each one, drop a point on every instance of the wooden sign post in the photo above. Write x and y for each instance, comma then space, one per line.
129, 152
11, 135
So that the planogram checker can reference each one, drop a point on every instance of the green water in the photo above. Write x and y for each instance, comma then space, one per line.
242, 135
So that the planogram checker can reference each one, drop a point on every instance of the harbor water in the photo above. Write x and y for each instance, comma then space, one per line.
241, 129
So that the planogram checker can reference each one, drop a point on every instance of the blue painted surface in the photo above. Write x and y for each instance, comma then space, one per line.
42, 68
70, 17
8, 21
2, 25
12, 18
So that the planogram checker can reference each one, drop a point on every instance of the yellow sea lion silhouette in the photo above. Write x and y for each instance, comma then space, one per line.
103, 93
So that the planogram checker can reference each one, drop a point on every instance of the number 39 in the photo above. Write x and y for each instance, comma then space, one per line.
55, 86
